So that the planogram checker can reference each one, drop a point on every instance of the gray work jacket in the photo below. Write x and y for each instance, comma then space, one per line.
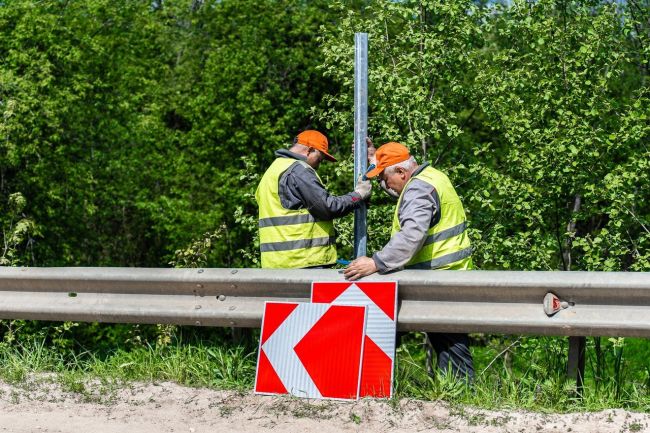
418, 211
300, 188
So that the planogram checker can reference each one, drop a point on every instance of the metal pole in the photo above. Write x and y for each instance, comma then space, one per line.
360, 134
576, 363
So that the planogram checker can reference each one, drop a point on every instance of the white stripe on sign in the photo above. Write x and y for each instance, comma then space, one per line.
379, 327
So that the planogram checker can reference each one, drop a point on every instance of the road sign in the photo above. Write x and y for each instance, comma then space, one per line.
311, 350
381, 325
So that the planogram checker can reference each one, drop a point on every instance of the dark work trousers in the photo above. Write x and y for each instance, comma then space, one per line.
451, 350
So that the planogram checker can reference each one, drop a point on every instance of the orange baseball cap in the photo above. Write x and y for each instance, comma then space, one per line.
387, 155
316, 140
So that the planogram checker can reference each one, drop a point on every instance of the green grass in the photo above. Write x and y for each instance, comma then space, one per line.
196, 365
511, 372
529, 373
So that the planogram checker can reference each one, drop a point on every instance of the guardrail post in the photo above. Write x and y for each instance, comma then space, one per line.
576, 363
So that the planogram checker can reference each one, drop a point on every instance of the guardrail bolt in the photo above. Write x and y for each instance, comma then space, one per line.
197, 323
197, 307
200, 271
232, 307
200, 286
234, 271
221, 297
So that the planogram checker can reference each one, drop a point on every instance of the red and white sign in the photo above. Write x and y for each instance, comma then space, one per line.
381, 325
311, 350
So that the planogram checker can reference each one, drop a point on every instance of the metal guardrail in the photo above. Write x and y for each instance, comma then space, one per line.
603, 304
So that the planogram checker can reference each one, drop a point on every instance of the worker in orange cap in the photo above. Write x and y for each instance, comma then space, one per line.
429, 232
295, 209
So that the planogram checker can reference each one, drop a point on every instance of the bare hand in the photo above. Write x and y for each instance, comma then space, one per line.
360, 267
371, 151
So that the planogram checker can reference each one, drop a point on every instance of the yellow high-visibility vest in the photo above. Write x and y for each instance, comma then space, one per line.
290, 238
447, 245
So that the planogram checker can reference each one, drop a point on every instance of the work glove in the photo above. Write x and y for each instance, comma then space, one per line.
363, 188
391, 192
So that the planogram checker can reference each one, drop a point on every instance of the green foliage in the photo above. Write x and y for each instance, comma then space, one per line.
538, 111
195, 255
123, 124
80, 81
246, 211
133, 129
18, 231
566, 136
416, 94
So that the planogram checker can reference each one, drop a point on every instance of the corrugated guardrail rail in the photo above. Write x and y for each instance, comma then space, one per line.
605, 304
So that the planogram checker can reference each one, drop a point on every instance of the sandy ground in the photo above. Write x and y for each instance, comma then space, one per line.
40, 405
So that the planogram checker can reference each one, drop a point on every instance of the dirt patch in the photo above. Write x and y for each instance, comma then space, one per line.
43, 405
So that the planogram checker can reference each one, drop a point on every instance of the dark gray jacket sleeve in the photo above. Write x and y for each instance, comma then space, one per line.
418, 208
300, 189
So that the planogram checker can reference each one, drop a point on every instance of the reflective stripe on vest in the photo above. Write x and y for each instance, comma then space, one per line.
290, 238
447, 245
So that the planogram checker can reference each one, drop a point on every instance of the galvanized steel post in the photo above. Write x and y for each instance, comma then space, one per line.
576, 362
360, 134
